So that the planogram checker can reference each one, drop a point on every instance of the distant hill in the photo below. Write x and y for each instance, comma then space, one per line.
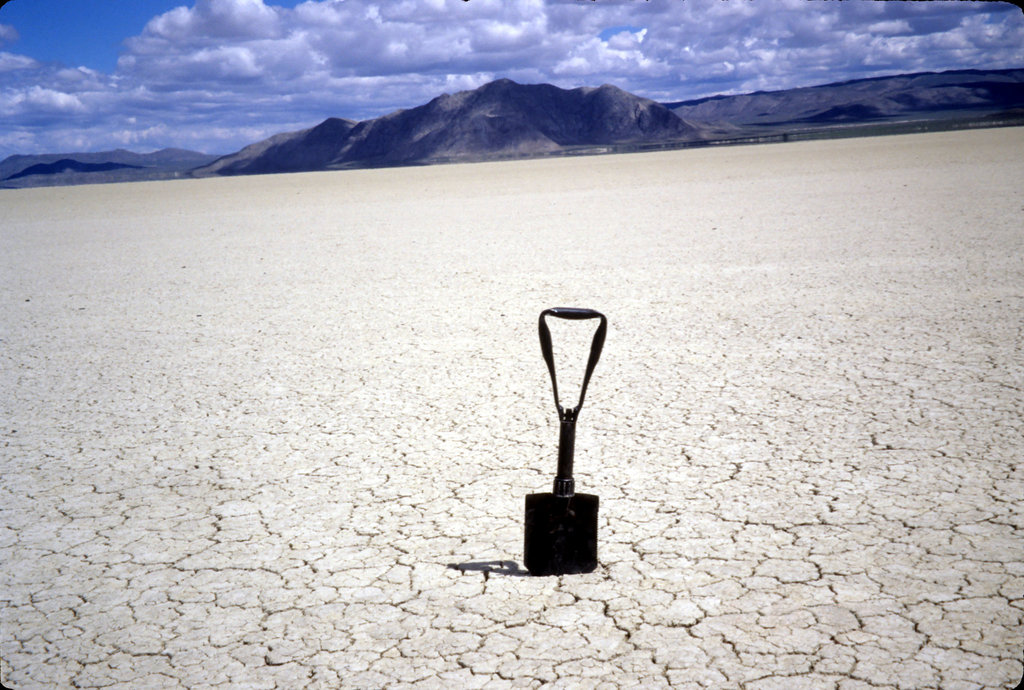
501, 118
103, 166
923, 97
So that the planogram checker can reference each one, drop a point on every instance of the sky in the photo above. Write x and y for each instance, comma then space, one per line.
217, 75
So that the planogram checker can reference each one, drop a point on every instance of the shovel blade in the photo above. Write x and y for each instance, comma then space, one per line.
561, 534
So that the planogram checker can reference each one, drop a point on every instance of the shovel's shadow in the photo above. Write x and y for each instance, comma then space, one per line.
488, 568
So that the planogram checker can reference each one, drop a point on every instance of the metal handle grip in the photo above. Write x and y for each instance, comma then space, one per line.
596, 345
573, 313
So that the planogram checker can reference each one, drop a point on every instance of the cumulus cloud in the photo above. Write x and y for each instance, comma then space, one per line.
215, 20
40, 106
219, 74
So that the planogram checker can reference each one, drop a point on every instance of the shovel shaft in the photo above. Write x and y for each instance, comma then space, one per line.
564, 485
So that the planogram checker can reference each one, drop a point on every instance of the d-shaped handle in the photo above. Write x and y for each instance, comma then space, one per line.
573, 313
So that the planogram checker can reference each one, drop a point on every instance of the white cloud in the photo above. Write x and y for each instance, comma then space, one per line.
37, 99
627, 40
219, 74
215, 20
8, 34
618, 59
133, 135
891, 26
10, 62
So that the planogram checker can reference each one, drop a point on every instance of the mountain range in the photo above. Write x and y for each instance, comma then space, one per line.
504, 119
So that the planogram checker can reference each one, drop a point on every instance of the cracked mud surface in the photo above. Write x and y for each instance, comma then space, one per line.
276, 431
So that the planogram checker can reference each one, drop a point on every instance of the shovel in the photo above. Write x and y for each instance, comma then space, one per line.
561, 527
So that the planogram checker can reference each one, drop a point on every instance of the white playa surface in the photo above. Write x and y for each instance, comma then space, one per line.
276, 431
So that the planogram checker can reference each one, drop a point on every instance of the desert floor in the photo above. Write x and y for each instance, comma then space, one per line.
277, 431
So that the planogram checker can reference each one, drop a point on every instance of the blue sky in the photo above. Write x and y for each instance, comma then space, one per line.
216, 75
53, 32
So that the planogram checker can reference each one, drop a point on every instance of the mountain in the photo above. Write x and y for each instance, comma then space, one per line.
923, 97
499, 119
103, 166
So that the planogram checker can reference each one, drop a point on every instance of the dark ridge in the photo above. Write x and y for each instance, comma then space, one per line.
69, 165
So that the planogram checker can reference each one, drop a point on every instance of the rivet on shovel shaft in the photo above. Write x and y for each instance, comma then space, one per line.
560, 537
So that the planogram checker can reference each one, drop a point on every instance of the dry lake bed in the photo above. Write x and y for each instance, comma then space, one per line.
276, 431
